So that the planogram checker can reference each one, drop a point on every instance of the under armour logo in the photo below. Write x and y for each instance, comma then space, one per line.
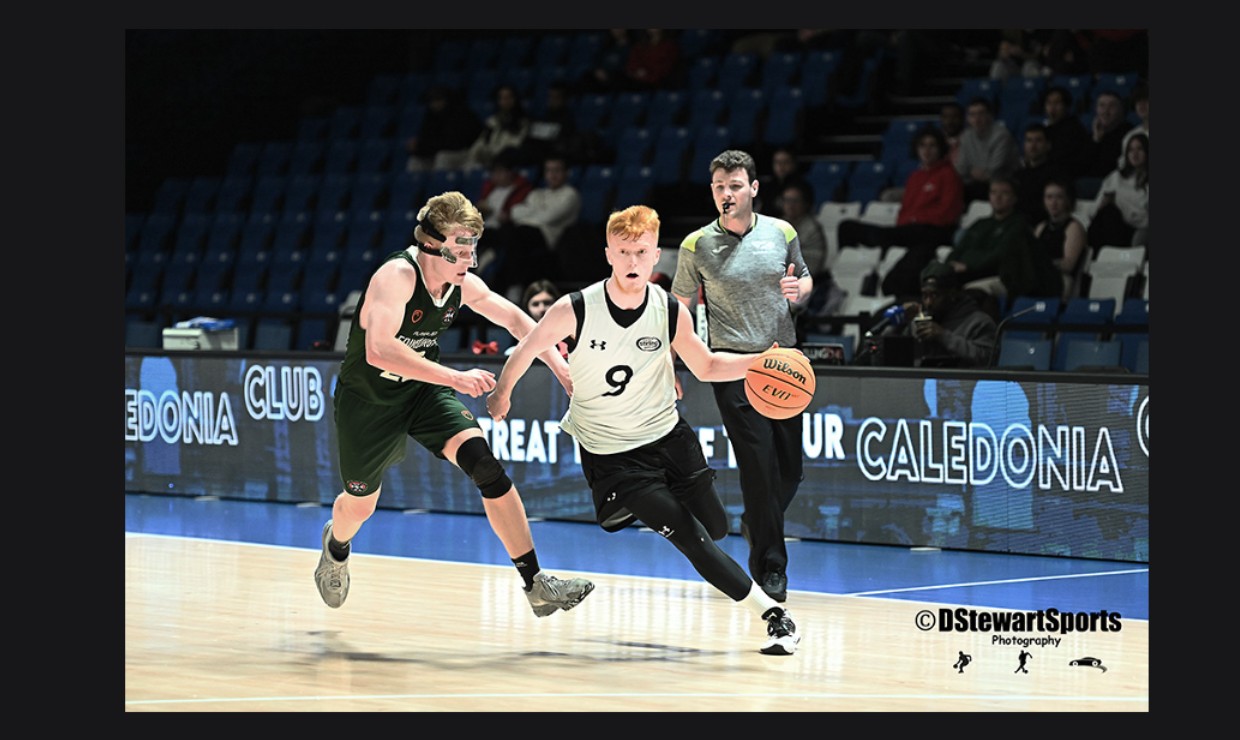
666, 531
595, 344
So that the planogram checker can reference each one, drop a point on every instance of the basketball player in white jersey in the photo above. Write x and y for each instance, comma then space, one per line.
643, 462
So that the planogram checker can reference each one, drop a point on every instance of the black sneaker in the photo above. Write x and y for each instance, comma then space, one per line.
782, 631
775, 585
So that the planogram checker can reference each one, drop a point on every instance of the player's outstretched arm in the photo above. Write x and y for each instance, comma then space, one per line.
705, 364
502, 312
559, 322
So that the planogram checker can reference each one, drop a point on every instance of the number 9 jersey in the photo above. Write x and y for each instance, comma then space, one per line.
624, 390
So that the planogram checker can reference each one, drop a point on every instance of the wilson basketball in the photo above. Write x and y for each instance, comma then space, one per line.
780, 383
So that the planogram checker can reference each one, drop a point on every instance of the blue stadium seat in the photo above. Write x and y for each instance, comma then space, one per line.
243, 159
335, 192
634, 146
301, 192
1024, 353
378, 156
784, 117
818, 76
383, 90
743, 114
312, 128
274, 158
634, 186
170, 196
378, 122
707, 144
551, 50
1039, 321
702, 74
273, 335
200, 197
868, 180
268, 194
706, 109
345, 123
738, 71
1083, 353
234, 193
341, 156
829, 178
671, 149
598, 187
978, 87
667, 108
781, 69
306, 157
627, 111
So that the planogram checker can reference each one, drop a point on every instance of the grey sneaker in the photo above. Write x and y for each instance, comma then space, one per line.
550, 593
782, 631
332, 577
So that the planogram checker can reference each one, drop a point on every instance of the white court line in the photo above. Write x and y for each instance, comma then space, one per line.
647, 695
912, 589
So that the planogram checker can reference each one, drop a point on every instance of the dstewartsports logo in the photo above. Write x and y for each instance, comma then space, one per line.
963, 619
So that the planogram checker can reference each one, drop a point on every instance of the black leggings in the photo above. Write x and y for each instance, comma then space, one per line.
674, 520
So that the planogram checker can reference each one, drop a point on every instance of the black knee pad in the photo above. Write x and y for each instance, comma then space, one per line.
475, 458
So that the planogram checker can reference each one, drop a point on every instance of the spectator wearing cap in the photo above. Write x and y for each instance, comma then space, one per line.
951, 327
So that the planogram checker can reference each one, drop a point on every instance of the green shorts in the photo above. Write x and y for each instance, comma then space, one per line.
371, 437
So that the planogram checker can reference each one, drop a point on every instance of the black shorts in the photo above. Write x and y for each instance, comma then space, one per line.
672, 464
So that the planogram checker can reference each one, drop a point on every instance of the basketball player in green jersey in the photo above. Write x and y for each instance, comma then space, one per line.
391, 387
640, 458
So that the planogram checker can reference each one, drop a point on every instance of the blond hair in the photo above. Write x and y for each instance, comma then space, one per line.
446, 212
633, 221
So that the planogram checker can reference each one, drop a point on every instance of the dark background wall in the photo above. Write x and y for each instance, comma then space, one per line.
190, 96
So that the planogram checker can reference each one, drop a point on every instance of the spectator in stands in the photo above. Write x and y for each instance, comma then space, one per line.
503, 188
1140, 106
987, 150
541, 219
1068, 137
607, 74
1036, 168
653, 61
506, 128
1121, 215
796, 199
1062, 235
1107, 135
448, 130
1012, 59
538, 297
784, 170
957, 330
930, 211
997, 254
951, 123
553, 132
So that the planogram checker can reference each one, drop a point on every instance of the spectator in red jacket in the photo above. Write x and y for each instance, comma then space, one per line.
930, 211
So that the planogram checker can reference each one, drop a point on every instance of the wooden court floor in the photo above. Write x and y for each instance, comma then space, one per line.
216, 626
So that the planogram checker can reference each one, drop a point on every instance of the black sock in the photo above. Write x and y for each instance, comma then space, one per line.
527, 566
339, 550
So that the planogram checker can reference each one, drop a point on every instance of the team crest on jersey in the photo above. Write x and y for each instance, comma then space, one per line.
357, 486
416, 316
467, 414
649, 344
448, 316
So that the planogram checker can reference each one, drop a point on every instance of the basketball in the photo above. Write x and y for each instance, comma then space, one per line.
780, 383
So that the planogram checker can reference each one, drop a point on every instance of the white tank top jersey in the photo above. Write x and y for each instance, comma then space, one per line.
624, 393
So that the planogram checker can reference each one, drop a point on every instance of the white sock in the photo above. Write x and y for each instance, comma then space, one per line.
758, 601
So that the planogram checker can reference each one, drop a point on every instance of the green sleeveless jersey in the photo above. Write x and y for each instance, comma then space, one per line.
425, 318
